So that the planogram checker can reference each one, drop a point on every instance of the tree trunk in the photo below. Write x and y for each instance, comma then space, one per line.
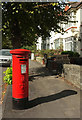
16, 42
16, 35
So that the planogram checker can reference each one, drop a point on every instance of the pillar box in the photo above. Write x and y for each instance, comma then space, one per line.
20, 64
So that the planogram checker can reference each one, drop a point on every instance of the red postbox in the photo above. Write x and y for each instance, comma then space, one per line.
20, 64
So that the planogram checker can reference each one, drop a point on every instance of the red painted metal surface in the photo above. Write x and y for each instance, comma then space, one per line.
20, 63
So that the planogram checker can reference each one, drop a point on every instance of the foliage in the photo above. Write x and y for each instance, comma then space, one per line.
8, 76
70, 53
32, 48
24, 22
6, 43
50, 53
75, 54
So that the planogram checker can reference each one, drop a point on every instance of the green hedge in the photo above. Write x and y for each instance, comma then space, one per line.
70, 53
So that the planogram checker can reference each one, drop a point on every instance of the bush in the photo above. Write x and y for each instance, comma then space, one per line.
70, 53
76, 54
50, 53
8, 76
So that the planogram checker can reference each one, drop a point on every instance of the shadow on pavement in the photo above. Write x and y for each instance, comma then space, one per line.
41, 72
50, 98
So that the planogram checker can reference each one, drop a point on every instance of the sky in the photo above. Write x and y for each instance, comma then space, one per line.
71, 0
75, 0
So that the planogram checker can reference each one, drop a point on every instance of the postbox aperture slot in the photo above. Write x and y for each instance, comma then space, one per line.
19, 57
23, 68
23, 59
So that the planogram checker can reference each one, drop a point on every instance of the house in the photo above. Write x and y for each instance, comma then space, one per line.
71, 40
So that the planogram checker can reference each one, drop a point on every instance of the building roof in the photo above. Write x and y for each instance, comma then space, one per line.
73, 5
66, 8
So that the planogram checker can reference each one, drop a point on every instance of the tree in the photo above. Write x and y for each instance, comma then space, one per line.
24, 22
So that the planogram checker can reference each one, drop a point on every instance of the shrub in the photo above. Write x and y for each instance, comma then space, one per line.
76, 54
70, 53
50, 53
8, 76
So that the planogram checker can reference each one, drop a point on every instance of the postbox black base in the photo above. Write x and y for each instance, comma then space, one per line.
19, 103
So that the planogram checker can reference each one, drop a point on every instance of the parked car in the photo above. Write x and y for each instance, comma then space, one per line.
5, 57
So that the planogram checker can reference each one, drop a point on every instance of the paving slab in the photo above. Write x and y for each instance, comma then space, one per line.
49, 97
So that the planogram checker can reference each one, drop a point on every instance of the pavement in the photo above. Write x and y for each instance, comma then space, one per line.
1, 88
49, 97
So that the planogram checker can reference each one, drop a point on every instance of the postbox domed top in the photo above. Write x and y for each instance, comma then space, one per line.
20, 51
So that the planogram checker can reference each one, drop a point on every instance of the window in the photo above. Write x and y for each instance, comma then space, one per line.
5, 52
47, 46
56, 43
44, 46
74, 46
74, 12
68, 46
74, 38
51, 45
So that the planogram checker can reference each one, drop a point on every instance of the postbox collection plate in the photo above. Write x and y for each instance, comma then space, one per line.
23, 68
